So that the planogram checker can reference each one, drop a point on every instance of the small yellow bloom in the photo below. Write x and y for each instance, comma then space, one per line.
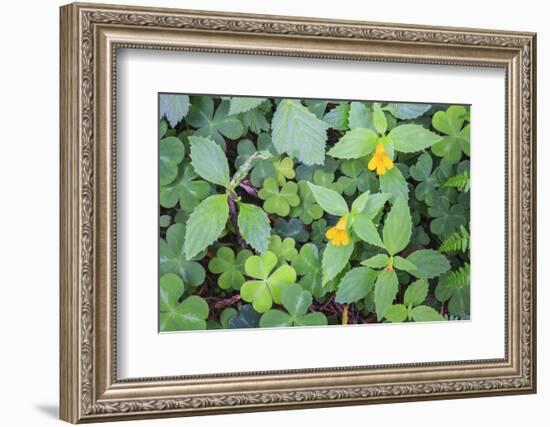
380, 160
338, 234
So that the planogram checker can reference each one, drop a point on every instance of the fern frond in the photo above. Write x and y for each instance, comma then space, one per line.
460, 182
459, 277
459, 241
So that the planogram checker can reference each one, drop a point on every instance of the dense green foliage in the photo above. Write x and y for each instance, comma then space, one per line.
286, 212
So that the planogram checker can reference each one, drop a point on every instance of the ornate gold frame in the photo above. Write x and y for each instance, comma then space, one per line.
90, 36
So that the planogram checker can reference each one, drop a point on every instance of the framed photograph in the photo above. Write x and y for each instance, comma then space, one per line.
266, 212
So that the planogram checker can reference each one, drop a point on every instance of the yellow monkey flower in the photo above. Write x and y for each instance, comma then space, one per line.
380, 160
338, 234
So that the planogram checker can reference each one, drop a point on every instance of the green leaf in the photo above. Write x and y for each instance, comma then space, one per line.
366, 231
337, 118
299, 133
398, 227
215, 126
404, 111
456, 139
260, 266
311, 319
296, 300
377, 261
374, 203
185, 189
355, 143
359, 116
308, 209
329, 200
284, 169
423, 313
394, 183
279, 201
397, 313
173, 107
171, 152
379, 119
205, 224
355, 285
385, 291
275, 319
308, 265
190, 315
360, 202
335, 259
316, 106
279, 280
447, 218
285, 250
412, 138
171, 290
241, 105
229, 267
293, 228
416, 293
209, 160
403, 264
246, 318
254, 226
226, 316
429, 263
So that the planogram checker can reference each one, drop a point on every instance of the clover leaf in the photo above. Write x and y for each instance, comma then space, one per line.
447, 218
284, 169
326, 179
255, 120
285, 250
279, 201
296, 301
456, 139
185, 189
188, 315
267, 286
293, 228
247, 317
213, 125
356, 177
308, 265
412, 308
229, 267
172, 257
171, 152
308, 209
318, 230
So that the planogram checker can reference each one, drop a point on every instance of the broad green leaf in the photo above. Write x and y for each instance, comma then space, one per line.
403, 264
366, 231
397, 313
397, 227
412, 138
329, 200
337, 118
171, 289
316, 106
354, 144
171, 152
209, 160
205, 224
335, 259
190, 315
229, 267
374, 203
404, 111
379, 119
279, 201
359, 116
385, 291
241, 105
260, 266
275, 319
423, 313
360, 202
254, 226
416, 293
299, 133
355, 285
213, 125
296, 300
429, 263
394, 183
174, 107
377, 261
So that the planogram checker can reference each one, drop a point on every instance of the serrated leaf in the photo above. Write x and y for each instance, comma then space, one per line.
394, 183
209, 160
412, 138
355, 143
359, 116
299, 133
335, 259
397, 313
337, 118
241, 105
416, 293
174, 107
404, 111
385, 291
254, 226
403, 264
366, 231
423, 313
377, 261
205, 224
429, 263
379, 119
329, 200
355, 285
397, 227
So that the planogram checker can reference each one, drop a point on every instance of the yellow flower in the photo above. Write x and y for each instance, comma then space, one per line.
338, 234
380, 160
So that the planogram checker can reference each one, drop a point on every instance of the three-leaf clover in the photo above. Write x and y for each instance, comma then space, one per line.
308, 209
267, 286
412, 308
185, 189
457, 138
292, 228
284, 249
296, 301
308, 265
229, 267
279, 201
190, 314
447, 218
171, 152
